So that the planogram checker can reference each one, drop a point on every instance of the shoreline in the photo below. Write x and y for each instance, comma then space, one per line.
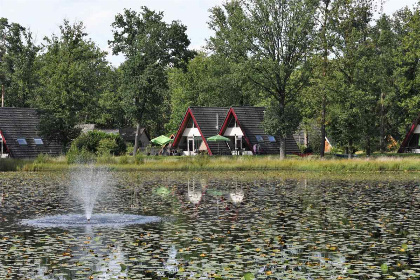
222, 164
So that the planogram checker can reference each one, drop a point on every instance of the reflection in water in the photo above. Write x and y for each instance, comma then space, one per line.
237, 195
194, 194
270, 229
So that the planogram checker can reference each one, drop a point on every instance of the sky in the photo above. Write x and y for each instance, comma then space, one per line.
43, 17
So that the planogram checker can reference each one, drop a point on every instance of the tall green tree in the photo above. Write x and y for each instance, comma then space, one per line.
73, 73
273, 37
18, 73
383, 78
407, 72
210, 80
150, 46
353, 114
111, 103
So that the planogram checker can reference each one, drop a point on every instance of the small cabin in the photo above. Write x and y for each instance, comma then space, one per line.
198, 124
244, 127
20, 136
128, 134
411, 143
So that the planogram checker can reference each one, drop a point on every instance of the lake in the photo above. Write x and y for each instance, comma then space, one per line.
234, 226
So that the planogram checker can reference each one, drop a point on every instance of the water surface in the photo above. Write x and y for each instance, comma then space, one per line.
267, 228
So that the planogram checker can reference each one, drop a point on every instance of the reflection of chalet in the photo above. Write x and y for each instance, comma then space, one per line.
19, 135
244, 127
198, 124
411, 143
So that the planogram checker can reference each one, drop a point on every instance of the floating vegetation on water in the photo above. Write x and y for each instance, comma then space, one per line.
218, 229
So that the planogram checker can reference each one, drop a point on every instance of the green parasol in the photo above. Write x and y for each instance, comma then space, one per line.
161, 140
218, 138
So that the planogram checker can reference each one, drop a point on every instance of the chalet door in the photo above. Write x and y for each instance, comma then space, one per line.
238, 143
191, 144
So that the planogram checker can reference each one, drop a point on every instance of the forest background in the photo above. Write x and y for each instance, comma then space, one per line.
325, 66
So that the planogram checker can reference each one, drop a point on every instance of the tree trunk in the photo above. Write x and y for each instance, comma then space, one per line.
350, 149
322, 147
325, 69
368, 148
136, 140
282, 147
382, 129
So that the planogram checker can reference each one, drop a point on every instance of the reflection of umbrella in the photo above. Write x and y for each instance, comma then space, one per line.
218, 138
161, 140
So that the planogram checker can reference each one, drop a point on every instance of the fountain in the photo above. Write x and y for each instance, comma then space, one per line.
88, 184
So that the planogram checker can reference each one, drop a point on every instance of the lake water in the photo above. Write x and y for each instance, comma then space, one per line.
249, 228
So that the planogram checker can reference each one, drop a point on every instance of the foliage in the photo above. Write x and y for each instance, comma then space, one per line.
43, 158
72, 76
83, 156
328, 64
98, 142
361, 166
150, 46
407, 72
210, 80
110, 104
9, 164
273, 38
18, 71
106, 146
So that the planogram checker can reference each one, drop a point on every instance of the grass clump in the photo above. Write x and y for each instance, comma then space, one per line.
10, 164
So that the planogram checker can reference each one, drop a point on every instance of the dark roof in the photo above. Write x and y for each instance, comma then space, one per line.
406, 142
210, 124
209, 120
129, 133
23, 123
250, 119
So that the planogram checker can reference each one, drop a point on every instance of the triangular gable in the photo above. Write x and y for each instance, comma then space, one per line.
250, 120
409, 134
231, 114
189, 115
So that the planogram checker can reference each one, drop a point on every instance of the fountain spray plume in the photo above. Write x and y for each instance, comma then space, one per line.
88, 183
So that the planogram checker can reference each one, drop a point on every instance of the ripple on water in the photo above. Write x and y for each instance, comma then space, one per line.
102, 220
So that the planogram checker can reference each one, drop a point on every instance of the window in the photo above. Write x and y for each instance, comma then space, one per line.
271, 138
22, 141
259, 138
38, 141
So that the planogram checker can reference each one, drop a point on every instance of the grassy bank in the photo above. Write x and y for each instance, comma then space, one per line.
240, 163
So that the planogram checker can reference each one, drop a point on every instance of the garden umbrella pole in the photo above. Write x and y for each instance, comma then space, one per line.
218, 138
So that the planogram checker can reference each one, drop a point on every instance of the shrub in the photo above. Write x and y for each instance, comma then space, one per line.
79, 156
106, 146
139, 159
123, 159
42, 158
130, 148
91, 142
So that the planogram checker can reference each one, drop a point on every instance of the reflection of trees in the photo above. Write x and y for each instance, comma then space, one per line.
72, 256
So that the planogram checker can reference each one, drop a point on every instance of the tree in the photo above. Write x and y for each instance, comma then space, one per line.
353, 114
273, 37
407, 72
385, 42
111, 106
17, 64
150, 46
210, 80
72, 77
